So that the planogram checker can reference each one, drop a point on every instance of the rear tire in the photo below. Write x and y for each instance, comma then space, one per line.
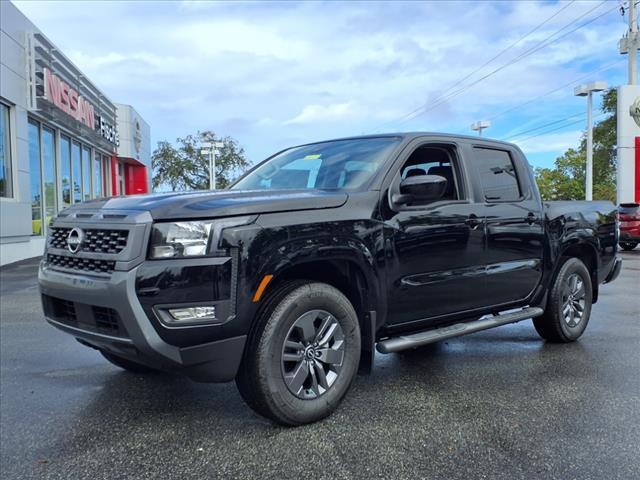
127, 365
569, 304
302, 354
627, 246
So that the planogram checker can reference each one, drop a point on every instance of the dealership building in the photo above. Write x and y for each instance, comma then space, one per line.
62, 140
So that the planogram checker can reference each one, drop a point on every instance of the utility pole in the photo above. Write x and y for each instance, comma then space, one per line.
629, 42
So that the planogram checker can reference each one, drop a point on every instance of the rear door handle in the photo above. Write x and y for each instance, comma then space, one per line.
531, 218
473, 221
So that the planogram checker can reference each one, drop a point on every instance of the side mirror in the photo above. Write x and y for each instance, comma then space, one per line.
420, 188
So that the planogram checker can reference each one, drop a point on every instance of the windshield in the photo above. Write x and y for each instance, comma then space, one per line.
340, 164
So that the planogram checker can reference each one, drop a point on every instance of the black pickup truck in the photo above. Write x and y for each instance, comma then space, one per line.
291, 279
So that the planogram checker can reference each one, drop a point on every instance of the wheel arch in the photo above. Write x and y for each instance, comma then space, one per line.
587, 254
346, 275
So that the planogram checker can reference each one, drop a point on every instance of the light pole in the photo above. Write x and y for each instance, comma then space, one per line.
480, 125
587, 90
211, 149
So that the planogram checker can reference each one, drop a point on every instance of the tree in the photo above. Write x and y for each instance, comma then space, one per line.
566, 181
183, 167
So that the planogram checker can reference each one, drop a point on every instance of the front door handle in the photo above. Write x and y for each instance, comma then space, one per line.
473, 221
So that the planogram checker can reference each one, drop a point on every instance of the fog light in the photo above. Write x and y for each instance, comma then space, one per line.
193, 314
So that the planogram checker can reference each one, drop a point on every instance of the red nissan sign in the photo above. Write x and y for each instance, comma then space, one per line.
67, 99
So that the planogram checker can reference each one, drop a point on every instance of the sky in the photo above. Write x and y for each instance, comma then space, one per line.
273, 75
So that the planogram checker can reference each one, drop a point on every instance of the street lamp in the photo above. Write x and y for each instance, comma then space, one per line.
211, 149
481, 125
587, 90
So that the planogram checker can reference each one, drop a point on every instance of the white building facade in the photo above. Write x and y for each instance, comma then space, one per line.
58, 138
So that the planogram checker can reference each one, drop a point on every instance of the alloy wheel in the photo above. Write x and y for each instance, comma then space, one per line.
312, 354
573, 300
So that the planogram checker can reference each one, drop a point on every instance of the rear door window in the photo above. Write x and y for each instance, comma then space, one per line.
498, 175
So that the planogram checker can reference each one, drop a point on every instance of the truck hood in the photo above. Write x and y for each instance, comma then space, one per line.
223, 203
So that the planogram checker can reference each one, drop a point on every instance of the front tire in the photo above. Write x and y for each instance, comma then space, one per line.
302, 355
569, 304
627, 246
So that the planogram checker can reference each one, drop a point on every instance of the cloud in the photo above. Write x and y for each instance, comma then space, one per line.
268, 72
322, 113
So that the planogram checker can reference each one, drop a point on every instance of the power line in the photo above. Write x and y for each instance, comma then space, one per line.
582, 77
438, 101
461, 80
520, 140
570, 117
525, 54
577, 79
544, 43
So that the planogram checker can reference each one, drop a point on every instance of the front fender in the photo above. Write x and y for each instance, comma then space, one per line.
334, 251
310, 250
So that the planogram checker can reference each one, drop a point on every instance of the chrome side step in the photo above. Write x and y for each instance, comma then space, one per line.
413, 340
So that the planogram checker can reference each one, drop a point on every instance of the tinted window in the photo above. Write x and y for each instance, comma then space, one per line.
431, 160
497, 175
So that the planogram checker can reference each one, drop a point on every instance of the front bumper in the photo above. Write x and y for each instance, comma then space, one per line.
216, 361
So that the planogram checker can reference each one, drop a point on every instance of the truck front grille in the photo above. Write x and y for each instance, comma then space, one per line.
80, 264
95, 240
85, 317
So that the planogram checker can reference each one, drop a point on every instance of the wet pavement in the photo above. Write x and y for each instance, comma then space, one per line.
496, 404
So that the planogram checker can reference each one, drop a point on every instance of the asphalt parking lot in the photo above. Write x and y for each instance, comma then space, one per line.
497, 404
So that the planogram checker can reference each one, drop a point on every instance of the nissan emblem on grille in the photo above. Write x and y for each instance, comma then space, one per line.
75, 239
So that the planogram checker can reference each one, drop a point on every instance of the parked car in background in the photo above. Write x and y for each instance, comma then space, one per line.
319, 256
629, 225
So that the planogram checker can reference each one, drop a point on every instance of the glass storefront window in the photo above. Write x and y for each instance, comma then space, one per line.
6, 180
86, 173
49, 173
77, 172
106, 161
121, 189
80, 175
36, 178
65, 170
97, 178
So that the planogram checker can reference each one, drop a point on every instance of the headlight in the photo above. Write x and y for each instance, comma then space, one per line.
190, 239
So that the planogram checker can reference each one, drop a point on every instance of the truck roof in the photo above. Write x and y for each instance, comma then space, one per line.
408, 136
